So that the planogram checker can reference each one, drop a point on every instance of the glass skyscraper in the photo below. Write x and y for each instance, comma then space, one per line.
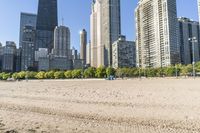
26, 19
47, 20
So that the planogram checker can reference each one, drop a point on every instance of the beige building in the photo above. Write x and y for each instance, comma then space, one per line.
105, 29
156, 33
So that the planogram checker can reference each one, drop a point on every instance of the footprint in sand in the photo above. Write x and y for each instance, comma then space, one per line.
11, 131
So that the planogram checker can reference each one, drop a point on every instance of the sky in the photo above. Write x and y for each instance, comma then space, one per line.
76, 14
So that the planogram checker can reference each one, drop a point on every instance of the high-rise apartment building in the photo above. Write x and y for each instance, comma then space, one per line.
62, 42
198, 3
26, 19
156, 33
28, 48
47, 20
83, 43
105, 29
188, 29
123, 53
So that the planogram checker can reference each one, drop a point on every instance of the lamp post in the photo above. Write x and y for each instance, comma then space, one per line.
193, 40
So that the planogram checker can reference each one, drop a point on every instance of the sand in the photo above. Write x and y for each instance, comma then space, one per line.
99, 106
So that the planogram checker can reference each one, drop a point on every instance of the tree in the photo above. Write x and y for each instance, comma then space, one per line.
40, 75
6, 76
31, 75
68, 74
100, 72
21, 75
50, 75
186, 70
59, 75
89, 72
77, 73
15, 75
110, 71
170, 71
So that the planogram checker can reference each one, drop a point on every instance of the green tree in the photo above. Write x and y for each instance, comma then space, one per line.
50, 75
110, 71
15, 75
186, 70
170, 71
77, 73
89, 72
59, 75
119, 72
100, 72
31, 75
21, 75
68, 74
40, 75
6, 76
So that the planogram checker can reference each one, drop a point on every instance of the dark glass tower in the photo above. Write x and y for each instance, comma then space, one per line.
47, 20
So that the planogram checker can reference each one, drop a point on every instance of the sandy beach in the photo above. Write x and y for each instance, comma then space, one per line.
99, 106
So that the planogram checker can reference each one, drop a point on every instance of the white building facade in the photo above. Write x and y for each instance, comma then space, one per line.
156, 33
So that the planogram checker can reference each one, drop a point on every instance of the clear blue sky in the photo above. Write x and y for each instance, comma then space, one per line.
76, 14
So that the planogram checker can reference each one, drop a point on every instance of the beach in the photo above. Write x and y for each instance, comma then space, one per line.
157, 105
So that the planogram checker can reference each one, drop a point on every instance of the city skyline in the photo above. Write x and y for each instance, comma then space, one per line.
10, 25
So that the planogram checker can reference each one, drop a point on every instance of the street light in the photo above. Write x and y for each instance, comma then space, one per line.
193, 40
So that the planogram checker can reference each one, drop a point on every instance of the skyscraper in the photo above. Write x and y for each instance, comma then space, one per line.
83, 43
156, 33
9, 52
105, 29
198, 2
62, 42
47, 20
188, 29
28, 51
26, 19
88, 53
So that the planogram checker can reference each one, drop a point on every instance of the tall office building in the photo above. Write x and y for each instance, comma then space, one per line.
47, 20
156, 33
9, 52
62, 42
26, 19
188, 29
28, 48
105, 29
74, 54
83, 43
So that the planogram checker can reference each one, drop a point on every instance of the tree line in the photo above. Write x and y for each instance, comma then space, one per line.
102, 72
